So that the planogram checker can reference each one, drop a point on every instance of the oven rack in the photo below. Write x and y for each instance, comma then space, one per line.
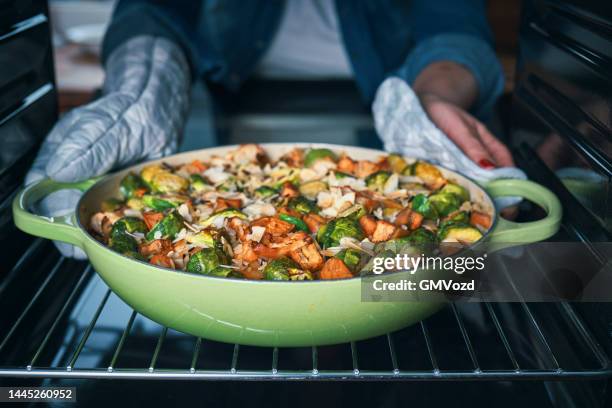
555, 348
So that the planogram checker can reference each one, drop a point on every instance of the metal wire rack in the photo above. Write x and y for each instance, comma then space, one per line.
481, 341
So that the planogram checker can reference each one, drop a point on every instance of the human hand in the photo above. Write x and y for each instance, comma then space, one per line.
140, 117
467, 132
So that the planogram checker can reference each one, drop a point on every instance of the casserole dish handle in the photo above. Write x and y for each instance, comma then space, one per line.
61, 228
508, 233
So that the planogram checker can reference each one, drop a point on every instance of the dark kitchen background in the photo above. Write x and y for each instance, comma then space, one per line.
60, 325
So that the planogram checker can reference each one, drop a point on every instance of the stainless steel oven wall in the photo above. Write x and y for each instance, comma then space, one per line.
563, 98
28, 104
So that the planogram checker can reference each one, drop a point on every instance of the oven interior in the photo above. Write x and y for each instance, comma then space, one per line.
61, 325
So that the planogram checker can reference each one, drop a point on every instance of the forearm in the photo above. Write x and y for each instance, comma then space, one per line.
448, 81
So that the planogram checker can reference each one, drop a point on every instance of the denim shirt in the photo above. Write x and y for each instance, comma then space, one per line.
225, 39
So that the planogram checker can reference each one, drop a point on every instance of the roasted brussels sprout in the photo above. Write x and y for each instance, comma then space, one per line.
128, 224
123, 243
311, 189
354, 212
377, 180
314, 155
202, 238
132, 185
461, 217
351, 258
226, 213
168, 227
303, 205
460, 191
160, 203
148, 172
210, 238
421, 238
197, 183
429, 174
464, 234
224, 272
163, 181
135, 203
285, 269
166, 182
265, 192
397, 163
206, 261
299, 224
445, 203
422, 205
340, 175
330, 234
120, 239
111, 204
228, 185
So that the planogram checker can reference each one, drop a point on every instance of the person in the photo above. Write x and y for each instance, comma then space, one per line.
154, 51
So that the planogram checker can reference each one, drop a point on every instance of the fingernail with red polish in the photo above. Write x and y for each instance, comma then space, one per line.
486, 164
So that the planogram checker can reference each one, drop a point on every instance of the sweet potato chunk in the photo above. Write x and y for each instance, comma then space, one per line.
383, 232
289, 190
294, 158
162, 260
376, 230
346, 165
313, 221
410, 218
151, 218
308, 257
368, 224
365, 168
159, 246
334, 268
223, 203
480, 219
252, 271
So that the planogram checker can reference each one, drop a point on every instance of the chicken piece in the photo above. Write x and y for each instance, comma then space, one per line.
368, 224
283, 246
248, 153
383, 232
159, 246
411, 219
294, 158
480, 219
162, 260
365, 168
289, 190
223, 203
346, 165
334, 268
313, 222
240, 227
151, 218
308, 257
274, 225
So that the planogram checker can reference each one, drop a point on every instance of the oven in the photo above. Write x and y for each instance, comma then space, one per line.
60, 325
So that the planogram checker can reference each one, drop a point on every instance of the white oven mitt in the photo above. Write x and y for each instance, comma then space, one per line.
405, 128
139, 117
